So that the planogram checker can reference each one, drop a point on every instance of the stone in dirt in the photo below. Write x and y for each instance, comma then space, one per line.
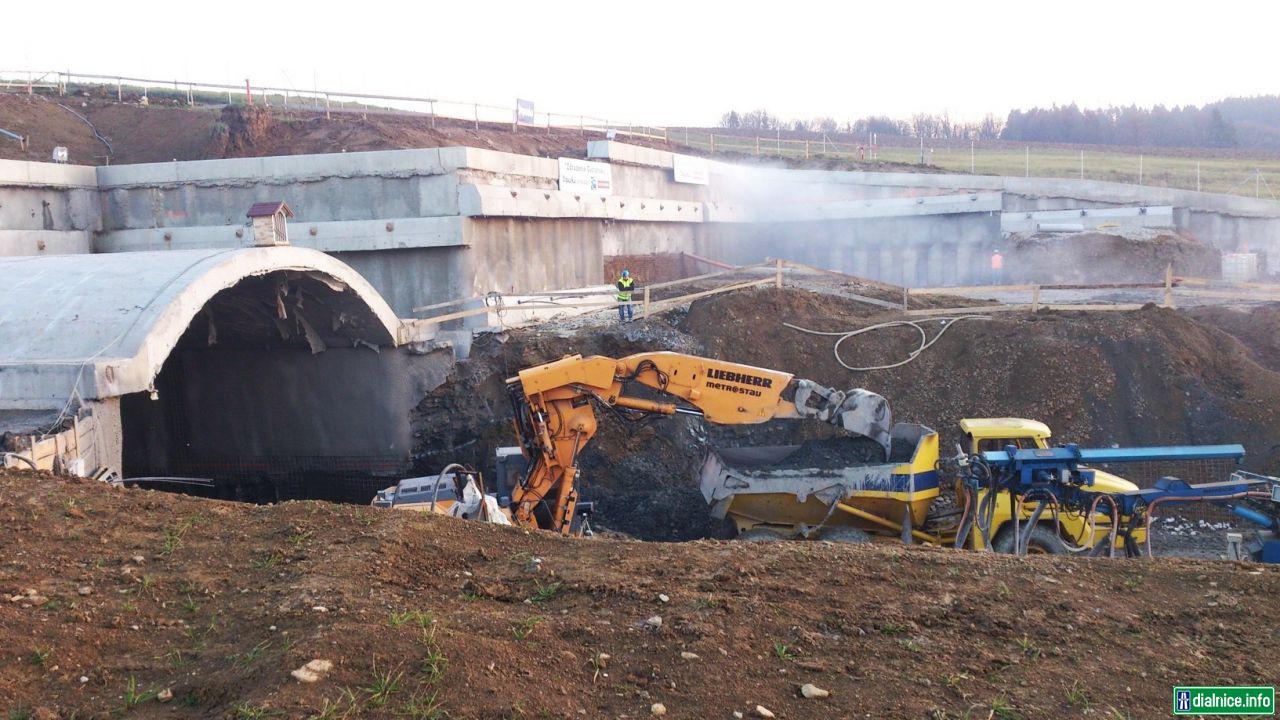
312, 671
764, 712
658, 709
811, 691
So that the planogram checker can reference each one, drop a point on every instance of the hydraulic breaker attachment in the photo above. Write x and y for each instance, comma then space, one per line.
857, 411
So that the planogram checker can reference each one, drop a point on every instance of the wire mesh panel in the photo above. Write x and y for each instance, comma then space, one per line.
1145, 474
1185, 529
1196, 529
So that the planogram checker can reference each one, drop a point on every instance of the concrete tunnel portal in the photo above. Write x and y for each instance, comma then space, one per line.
277, 373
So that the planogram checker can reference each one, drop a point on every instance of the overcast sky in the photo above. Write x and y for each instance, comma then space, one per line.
681, 62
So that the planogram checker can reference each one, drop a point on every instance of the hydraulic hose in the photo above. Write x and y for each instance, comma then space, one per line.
23, 458
435, 491
925, 341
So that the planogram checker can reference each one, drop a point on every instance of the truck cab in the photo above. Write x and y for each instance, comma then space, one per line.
986, 434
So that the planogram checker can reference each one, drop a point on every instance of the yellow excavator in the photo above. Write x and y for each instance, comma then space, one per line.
555, 413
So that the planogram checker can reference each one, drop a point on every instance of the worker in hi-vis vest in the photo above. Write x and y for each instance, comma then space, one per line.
626, 284
997, 267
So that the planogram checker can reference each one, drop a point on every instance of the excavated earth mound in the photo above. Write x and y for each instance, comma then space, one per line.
1148, 377
1137, 255
140, 604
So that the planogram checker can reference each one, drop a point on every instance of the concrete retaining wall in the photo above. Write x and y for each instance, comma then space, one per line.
912, 251
1227, 222
432, 225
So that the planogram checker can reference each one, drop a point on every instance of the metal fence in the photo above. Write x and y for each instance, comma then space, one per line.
319, 100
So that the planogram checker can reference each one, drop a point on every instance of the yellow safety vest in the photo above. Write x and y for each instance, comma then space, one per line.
624, 292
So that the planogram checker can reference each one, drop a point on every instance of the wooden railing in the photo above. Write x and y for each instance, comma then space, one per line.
1171, 287
649, 301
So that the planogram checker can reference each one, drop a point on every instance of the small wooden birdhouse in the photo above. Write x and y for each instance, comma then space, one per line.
270, 223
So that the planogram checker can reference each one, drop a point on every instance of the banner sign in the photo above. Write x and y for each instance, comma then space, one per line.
586, 176
693, 170
524, 112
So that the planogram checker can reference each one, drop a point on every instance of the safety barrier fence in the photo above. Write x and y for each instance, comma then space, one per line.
647, 304
325, 101
654, 298
1170, 289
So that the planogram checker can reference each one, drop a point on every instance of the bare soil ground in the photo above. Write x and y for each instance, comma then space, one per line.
114, 596
1257, 328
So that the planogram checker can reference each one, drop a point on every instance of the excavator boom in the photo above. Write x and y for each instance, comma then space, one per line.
555, 415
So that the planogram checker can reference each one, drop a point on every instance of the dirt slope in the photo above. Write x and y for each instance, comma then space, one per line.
1257, 328
162, 133
1150, 377
125, 593
168, 130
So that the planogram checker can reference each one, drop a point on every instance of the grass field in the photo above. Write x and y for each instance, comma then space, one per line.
1231, 172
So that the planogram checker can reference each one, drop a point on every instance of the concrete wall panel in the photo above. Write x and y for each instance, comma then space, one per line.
520, 256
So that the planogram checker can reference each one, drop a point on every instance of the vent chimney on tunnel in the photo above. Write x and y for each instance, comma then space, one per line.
270, 221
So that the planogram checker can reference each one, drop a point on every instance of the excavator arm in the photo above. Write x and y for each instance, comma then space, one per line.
555, 414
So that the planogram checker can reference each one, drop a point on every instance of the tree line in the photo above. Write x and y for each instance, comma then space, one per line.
921, 125
1156, 126
1252, 122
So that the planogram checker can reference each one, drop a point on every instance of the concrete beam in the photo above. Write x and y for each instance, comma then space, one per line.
15, 243
615, 151
855, 209
499, 163
301, 168
333, 236
1088, 218
500, 201
41, 174
283, 168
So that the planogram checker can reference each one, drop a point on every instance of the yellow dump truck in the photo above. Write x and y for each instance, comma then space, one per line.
768, 497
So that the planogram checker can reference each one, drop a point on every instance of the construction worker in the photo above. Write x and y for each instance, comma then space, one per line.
997, 267
626, 284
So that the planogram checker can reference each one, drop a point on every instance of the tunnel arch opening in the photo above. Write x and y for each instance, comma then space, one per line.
282, 386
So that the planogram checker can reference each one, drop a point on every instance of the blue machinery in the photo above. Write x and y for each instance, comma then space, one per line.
1060, 479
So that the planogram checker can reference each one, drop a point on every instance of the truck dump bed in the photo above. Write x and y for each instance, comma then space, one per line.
799, 485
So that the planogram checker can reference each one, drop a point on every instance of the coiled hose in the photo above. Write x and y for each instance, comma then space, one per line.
925, 341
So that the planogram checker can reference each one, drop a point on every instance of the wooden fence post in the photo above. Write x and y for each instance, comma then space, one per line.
645, 312
777, 278
1168, 285
1035, 298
